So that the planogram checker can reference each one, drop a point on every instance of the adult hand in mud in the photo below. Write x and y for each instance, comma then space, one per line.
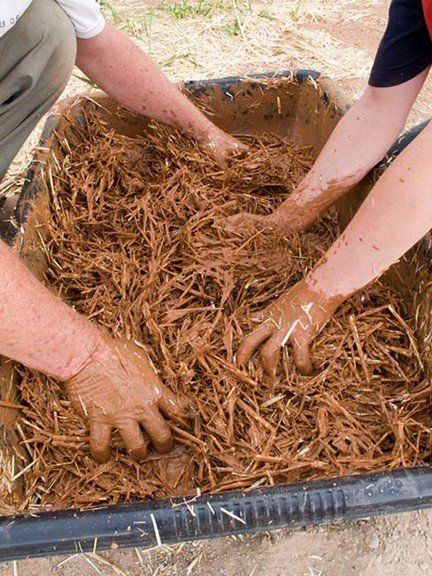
222, 146
302, 207
284, 219
247, 222
119, 388
295, 318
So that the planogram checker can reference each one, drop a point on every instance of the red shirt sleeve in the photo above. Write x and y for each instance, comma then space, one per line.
427, 10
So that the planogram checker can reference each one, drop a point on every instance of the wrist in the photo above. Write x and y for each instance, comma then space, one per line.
325, 302
288, 217
206, 132
94, 348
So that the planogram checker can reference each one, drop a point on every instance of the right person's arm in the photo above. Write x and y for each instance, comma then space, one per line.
111, 382
367, 131
395, 215
359, 141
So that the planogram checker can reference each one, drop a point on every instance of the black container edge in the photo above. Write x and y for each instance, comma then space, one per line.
160, 522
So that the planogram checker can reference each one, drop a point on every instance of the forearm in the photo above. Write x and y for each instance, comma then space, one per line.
37, 328
126, 73
359, 142
396, 214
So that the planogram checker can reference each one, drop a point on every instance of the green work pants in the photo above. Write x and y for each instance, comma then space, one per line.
36, 60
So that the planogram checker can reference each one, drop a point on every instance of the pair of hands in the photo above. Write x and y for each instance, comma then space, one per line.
295, 317
119, 387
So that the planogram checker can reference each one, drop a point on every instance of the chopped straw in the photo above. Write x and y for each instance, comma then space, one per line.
136, 244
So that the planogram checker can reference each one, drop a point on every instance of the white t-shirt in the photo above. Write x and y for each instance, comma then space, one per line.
85, 15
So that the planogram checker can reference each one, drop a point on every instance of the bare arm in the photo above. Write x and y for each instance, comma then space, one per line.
126, 73
37, 328
395, 215
359, 141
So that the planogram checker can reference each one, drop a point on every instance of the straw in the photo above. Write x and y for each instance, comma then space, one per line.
137, 245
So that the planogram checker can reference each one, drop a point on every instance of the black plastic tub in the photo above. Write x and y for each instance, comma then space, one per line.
305, 107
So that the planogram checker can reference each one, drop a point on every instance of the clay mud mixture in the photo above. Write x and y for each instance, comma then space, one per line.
136, 245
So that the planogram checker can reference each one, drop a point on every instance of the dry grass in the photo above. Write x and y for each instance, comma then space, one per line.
219, 38
7, 470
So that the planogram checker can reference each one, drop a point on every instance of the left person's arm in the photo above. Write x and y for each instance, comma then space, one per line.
110, 382
125, 72
396, 214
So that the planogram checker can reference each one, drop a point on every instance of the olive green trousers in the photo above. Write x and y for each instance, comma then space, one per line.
37, 56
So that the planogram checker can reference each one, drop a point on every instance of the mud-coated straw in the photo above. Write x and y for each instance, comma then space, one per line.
136, 243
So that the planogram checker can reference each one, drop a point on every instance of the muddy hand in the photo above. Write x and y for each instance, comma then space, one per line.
222, 146
295, 318
245, 222
119, 388
283, 220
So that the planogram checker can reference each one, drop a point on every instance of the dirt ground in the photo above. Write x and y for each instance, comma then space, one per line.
190, 42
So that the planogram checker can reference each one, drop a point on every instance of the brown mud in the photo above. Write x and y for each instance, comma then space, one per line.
136, 244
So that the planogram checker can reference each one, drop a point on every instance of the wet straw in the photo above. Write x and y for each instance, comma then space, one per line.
135, 243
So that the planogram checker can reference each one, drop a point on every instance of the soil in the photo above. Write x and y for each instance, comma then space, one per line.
386, 546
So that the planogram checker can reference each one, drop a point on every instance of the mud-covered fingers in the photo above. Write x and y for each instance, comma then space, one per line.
302, 356
223, 147
301, 353
158, 430
252, 342
270, 354
174, 406
100, 437
133, 439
